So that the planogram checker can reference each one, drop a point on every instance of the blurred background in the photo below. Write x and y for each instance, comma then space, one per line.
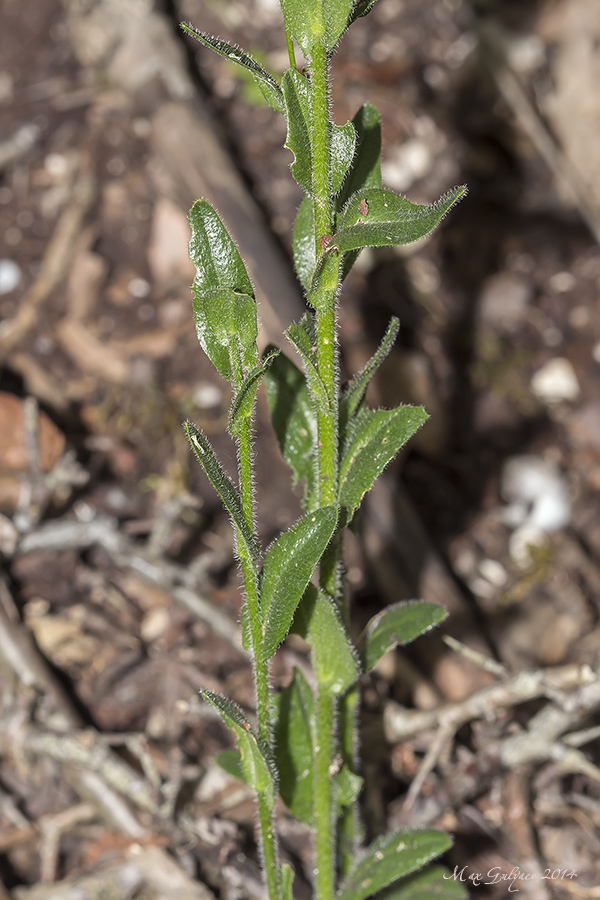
119, 594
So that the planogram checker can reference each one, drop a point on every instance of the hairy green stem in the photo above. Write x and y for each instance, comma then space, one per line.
268, 829
324, 795
327, 426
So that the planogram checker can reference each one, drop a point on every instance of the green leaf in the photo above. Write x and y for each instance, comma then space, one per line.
374, 437
432, 883
257, 766
224, 305
361, 8
354, 394
224, 488
227, 328
397, 625
287, 882
243, 404
266, 83
294, 420
366, 165
334, 659
231, 762
304, 243
391, 857
297, 92
378, 218
343, 143
287, 569
217, 259
348, 788
299, 338
294, 731
306, 19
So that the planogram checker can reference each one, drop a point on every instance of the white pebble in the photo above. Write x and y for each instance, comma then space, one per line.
10, 276
556, 382
537, 493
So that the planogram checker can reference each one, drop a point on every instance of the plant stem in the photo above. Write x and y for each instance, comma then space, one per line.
268, 831
324, 798
261, 670
327, 424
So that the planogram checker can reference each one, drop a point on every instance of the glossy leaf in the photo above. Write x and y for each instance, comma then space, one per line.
294, 732
217, 259
305, 19
227, 328
334, 659
257, 766
265, 82
305, 253
432, 883
354, 394
294, 420
243, 404
288, 566
397, 625
374, 438
378, 218
297, 94
392, 857
223, 486
298, 337
224, 305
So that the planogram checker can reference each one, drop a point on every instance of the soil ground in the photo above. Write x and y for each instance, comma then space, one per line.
119, 594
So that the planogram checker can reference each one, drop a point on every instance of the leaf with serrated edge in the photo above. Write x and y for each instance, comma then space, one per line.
288, 566
305, 254
258, 767
397, 625
354, 394
374, 437
294, 732
432, 883
223, 486
334, 658
294, 421
304, 17
390, 858
243, 404
265, 82
390, 220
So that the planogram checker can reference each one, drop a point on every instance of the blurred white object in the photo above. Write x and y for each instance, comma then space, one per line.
10, 276
556, 381
537, 494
